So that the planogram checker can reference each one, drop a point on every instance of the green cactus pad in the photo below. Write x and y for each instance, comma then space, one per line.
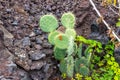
48, 23
70, 66
83, 61
63, 66
84, 70
52, 36
61, 41
70, 32
80, 62
79, 50
68, 20
59, 54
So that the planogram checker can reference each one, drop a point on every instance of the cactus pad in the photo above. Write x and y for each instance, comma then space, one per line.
80, 62
59, 54
70, 32
70, 66
63, 66
84, 70
68, 20
61, 41
48, 23
52, 36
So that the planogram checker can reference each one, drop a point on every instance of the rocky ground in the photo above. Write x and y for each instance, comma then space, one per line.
25, 53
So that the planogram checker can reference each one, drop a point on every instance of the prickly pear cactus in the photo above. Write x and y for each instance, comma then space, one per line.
51, 36
61, 41
63, 66
79, 51
48, 23
80, 62
68, 20
59, 54
70, 66
84, 70
70, 32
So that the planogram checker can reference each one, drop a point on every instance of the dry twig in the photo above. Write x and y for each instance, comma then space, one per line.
94, 7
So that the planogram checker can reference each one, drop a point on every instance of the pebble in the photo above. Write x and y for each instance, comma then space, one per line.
27, 7
32, 34
46, 45
26, 41
38, 46
37, 31
15, 23
36, 55
38, 41
8, 10
37, 65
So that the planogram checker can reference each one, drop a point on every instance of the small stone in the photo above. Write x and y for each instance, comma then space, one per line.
38, 41
32, 34
26, 41
27, 7
37, 65
36, 55
15, 23
8, 10
46, 45
48, 7
47, 51
37, 31
38, 46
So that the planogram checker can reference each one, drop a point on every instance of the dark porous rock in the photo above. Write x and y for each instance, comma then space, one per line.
38, 47
37, 75
23, 75
1, 40
85, 4
117, 54
17, 42
37, 31
25, 64
48, 69
38, 40
9, 71
15, 23
26, 41
22, 59
47, 51
37, 65
8, 42
37, 55
46, 45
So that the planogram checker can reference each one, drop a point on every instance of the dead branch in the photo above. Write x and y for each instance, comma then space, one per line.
94, 7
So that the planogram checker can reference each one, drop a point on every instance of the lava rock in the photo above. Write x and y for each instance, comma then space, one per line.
117, 54
37, 65
39, 47
26, 41
15, 23
38, 41
46, 45
37, 31
36, 55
